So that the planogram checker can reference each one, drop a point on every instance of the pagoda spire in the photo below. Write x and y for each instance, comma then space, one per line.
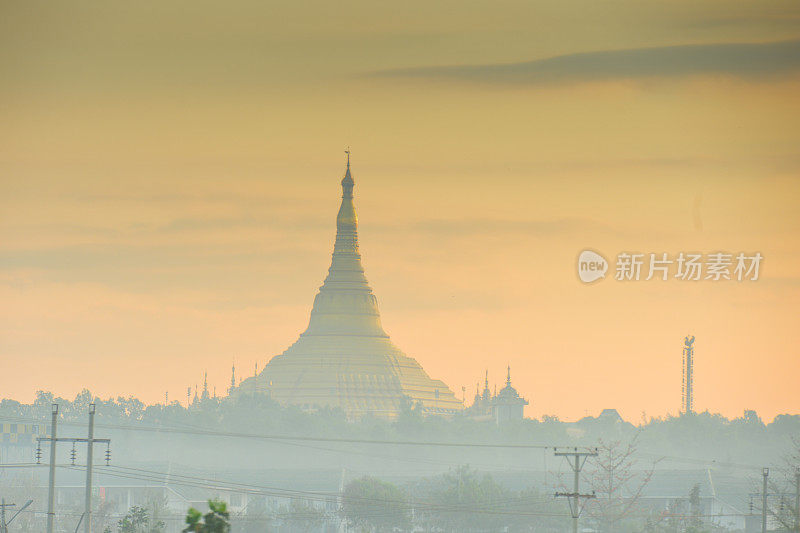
345, 304
508, 377
347, 181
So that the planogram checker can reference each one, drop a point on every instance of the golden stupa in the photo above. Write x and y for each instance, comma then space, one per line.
344, 358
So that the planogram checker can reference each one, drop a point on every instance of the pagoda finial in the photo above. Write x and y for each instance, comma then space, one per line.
347, 181
508, 377
486, 381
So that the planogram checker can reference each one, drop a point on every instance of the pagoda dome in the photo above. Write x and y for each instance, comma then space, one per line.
508, 394
344, 359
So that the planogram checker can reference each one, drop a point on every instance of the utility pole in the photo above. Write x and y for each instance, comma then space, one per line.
3, 506
574, 497
90, 441
765, 474
51, 487
89, 458
797, 498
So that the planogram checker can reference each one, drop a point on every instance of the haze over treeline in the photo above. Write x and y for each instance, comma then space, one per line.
151, 432
287, 469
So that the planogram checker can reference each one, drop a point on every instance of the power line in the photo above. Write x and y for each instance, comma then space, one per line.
141, 474
295, 439
278, 437
319, 496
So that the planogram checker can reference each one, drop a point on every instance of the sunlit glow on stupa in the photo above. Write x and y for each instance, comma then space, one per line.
344, 358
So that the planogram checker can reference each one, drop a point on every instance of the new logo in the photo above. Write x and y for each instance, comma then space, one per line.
591, 266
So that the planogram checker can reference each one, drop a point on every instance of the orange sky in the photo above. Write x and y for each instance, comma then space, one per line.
169, 179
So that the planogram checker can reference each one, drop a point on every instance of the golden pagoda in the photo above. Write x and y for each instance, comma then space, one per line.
344, 358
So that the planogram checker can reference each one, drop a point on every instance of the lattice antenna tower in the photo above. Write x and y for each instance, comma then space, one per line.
687, 386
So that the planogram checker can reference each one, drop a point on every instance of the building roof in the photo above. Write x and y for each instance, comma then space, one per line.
509, 394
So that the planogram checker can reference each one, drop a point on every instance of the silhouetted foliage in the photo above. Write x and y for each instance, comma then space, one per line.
616, 483
301, 516
374, 505
216, 520
693, 435
138, 520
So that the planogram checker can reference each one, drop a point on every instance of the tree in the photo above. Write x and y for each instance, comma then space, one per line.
301, 515
616, 484
216, 520
695, 507
135, 521
142, 520
375, 505
782, 485
102, 517
257, 517
530, 506
156, 508
462, 500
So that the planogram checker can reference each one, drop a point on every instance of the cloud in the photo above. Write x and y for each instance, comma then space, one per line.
472, 226
511, 228
743, 60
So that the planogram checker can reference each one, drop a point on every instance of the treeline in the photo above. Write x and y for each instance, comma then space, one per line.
462, 499
701, 435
